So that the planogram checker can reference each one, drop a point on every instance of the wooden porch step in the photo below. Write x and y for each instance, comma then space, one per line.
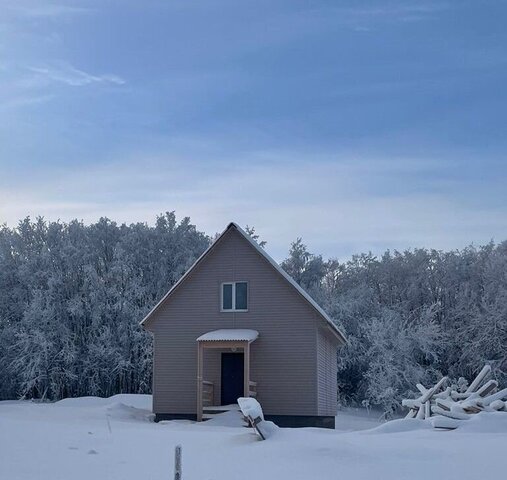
214, 410
220, 408
209, 416
208, 411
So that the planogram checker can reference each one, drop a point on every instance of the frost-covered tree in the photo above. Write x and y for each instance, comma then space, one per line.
72, 296
255, 236
304, 267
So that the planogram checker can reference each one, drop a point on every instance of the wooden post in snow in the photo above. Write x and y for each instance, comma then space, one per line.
177, 463
199, 380
246, 370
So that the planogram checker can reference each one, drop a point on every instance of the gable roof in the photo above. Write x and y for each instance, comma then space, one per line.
332, 326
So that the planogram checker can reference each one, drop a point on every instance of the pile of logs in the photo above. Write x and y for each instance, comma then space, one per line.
457, 403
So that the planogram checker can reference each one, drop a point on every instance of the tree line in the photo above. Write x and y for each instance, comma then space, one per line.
72, 296
410, 317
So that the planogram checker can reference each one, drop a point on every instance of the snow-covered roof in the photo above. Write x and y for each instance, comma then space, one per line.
229, 334
275, 265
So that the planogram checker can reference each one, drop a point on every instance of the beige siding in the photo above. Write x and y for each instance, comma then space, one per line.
212, 370
326, 372
283, 358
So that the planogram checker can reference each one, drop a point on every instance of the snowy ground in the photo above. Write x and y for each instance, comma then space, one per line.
93, 438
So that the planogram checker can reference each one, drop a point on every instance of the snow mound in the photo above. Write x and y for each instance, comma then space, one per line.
485, 422
83, 402
267, 428
439, 421
120, 411
227, 419
401, 425
132, 400
349, 419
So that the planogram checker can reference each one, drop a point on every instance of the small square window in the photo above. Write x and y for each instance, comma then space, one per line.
234, 297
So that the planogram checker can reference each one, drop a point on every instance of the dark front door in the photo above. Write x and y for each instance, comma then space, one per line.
232, 377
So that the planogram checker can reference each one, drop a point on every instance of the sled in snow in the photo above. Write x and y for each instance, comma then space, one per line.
252, 411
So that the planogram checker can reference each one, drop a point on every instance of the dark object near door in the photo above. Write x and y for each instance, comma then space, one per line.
232, 377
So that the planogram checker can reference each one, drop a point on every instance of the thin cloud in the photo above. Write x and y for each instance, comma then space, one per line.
395, 11
363, 18
24, 101
49, 10
69, 75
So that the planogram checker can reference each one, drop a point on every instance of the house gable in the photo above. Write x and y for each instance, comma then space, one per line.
227, 269
283, 357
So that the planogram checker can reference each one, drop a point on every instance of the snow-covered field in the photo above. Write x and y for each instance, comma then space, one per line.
93, 438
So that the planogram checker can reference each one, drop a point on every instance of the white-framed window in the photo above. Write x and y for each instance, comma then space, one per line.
234, 297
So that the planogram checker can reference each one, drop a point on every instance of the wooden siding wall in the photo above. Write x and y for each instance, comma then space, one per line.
212, 371
283, 358
327, 347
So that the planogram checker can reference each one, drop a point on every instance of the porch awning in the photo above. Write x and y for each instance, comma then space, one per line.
229, 335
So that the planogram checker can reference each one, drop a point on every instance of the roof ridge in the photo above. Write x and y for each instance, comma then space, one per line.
270, 260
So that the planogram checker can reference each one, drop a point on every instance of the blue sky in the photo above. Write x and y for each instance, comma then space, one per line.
356, 125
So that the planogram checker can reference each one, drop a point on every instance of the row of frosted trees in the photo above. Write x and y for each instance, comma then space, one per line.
71, 297
411, 317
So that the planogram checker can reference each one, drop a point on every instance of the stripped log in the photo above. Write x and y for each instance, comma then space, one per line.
445, 423
487, 388
433, 390
491, 398
479, 378
444, 394
411, 413
421, 388
450, 413
497, 405
427, 410
420, 412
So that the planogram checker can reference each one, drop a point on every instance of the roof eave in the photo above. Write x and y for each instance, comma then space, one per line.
145, 320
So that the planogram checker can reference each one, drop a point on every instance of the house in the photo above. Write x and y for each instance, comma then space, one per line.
237, 325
